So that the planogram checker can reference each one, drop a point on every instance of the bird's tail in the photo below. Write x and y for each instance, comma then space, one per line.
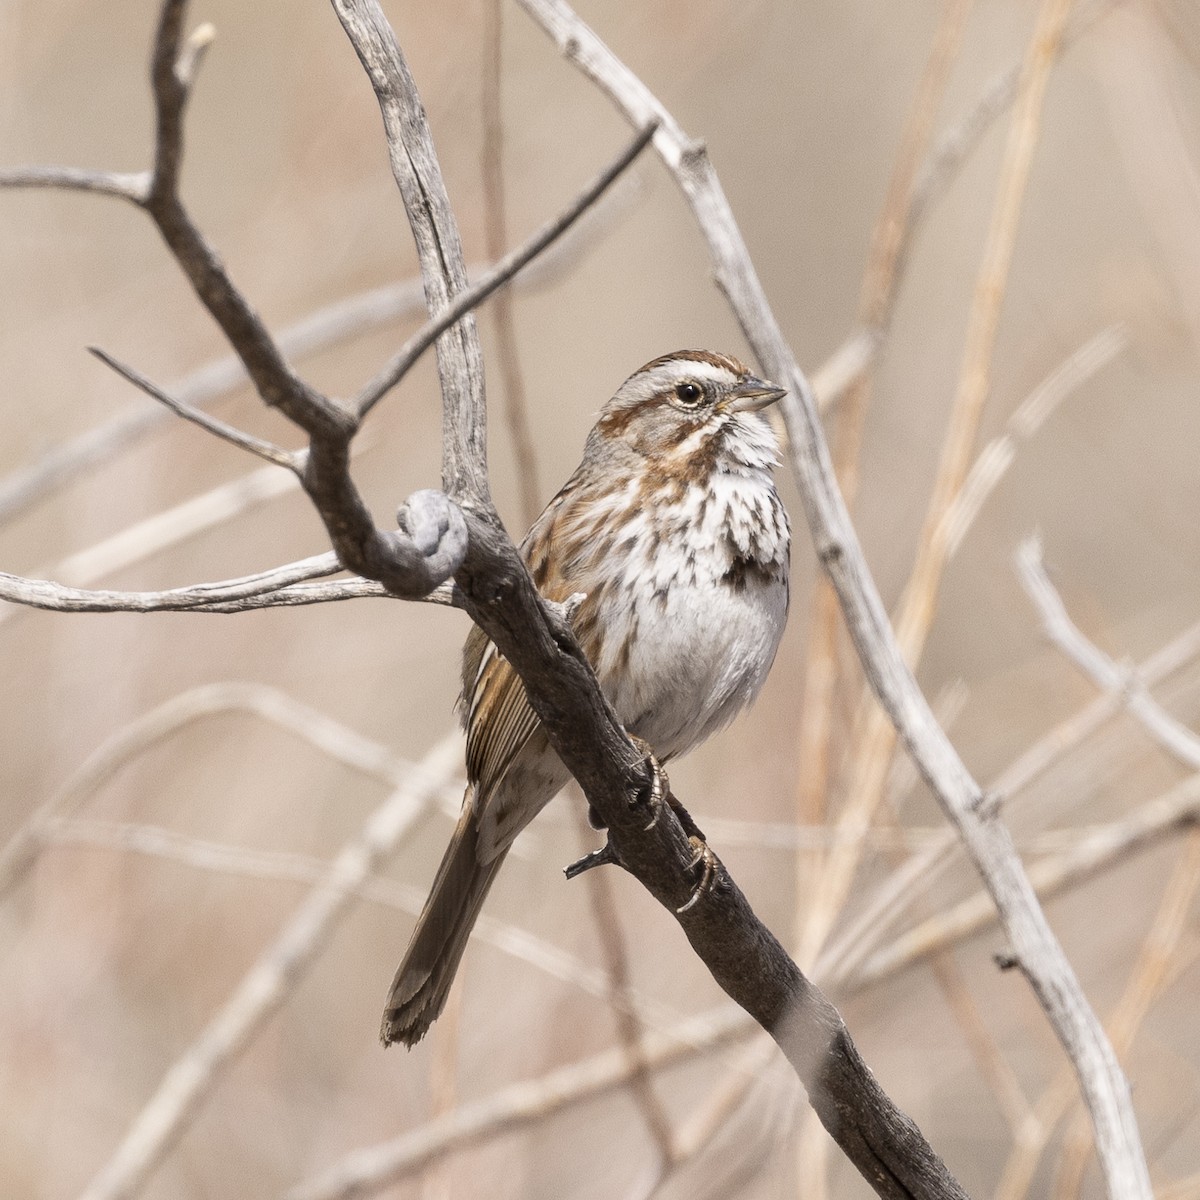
423, 979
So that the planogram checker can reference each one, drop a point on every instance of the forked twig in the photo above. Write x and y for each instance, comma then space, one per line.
352, 316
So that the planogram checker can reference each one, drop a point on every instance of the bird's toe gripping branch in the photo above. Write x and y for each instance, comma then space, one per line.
707, 862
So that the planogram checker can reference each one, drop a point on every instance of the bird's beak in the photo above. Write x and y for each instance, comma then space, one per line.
754, 394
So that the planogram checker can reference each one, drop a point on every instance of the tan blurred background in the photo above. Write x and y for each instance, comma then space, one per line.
112, 961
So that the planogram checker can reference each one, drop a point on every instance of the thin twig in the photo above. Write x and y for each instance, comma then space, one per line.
166, 720
133, 187
892, 898
872, 751
1147, 826
472, 296
229, 595
495, 230
1175, 737
711, 1118
172, 72
370, 1170
629, 1025
994, 460
221, 429
267, 985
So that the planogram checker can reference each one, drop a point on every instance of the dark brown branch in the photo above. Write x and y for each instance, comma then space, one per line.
274, 379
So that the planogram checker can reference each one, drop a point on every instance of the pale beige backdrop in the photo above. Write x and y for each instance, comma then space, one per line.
112, 961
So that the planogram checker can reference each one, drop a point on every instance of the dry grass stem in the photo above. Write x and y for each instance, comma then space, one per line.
1145, 983
190, 1080
872, 751
993, 461
168, 719
495, 228
892, 899
875, 307
1173, 812
606, 921
371, 1170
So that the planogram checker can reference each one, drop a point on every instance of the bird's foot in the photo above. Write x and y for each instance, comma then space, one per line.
706, 860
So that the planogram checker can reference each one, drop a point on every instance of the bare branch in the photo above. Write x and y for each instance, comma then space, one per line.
40, 593
416, 171
276, 588
1144, 828
268, 983
471, 297
987, 841
1173, 735
278, 385
891, 900
124, 186
353, 316
236, 437
993, 461
367, 1171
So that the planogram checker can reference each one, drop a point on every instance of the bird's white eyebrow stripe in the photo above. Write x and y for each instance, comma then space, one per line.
668, 374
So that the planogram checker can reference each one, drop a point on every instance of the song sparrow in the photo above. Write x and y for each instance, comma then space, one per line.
672, 528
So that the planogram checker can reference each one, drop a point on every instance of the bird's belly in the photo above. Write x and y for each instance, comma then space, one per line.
699, 652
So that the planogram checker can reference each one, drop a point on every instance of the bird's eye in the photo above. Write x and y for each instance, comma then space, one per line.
689, 393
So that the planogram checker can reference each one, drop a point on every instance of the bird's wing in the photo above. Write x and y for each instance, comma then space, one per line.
494, 705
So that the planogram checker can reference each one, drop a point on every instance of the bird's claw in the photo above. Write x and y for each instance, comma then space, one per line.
706, 857
656, 789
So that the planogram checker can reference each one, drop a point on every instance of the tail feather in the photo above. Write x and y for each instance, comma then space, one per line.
423, 980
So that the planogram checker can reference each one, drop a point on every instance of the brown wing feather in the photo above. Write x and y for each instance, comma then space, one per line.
494, 706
